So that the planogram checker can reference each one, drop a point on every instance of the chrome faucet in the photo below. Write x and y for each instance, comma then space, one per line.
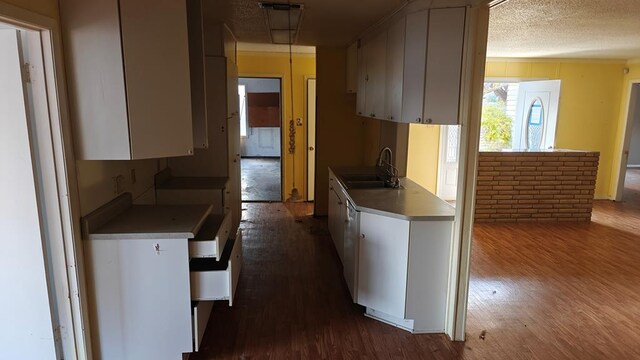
385, 168
385, 151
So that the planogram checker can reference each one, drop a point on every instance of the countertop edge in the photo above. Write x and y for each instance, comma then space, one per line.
387, 213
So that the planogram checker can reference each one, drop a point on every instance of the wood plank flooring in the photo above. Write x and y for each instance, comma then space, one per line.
565, 291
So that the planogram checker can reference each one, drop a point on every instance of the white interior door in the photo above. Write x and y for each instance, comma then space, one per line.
26, 308
448, 162
311, 139
536, 115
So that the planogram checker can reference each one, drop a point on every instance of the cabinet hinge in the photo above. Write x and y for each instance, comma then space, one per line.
26, 73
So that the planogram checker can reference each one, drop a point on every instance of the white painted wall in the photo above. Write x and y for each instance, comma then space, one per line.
634, 146
25, 311
261, 141
96, 184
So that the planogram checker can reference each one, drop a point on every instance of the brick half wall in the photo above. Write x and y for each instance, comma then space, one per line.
536, 186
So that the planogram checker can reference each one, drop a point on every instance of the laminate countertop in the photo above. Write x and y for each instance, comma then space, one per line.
410, 202
119, 219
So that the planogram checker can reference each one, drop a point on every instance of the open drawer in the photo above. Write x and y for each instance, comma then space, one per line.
200, 312
217, 280
212, 237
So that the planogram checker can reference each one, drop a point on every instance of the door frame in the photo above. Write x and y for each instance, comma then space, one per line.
625, 140
68, 269
279, 77
306, 161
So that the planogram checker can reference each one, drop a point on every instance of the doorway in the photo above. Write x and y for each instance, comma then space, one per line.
629, 173
38, 264
260, 138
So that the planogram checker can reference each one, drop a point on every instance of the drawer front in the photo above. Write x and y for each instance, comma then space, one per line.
200, 315
205, 248
191, 197
219, 284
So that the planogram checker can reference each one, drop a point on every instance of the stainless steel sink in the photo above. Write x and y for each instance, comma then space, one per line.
365, 184
360, 177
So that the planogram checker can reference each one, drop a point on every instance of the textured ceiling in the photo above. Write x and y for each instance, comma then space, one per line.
595, 29
324, 23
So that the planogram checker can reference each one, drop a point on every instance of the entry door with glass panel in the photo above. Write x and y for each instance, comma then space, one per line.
448, 169
534, 127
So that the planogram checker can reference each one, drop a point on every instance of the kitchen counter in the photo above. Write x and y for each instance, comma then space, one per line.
411, 202
120, 219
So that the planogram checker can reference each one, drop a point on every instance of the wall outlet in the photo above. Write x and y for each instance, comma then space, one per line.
118, 184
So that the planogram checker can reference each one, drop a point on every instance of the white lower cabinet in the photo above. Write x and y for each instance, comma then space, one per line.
383, 258
200, 313
403, 271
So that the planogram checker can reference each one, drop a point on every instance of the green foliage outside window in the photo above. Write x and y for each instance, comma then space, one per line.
496, 127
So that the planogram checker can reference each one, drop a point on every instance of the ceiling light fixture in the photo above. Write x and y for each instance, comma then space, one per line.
283, 21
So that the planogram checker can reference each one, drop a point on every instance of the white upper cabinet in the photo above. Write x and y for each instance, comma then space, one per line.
444, 66
128, 71
362, 82
415, 57
375, 54
352, 68
198, 80
412, 70
395, 70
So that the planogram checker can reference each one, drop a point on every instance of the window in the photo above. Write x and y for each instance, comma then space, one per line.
242, 94
498, 113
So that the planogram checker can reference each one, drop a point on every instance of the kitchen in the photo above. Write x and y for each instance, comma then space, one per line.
173, 153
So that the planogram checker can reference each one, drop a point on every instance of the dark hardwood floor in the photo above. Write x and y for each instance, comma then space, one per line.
537, 292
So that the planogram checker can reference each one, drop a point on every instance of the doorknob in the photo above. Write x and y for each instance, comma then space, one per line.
311, 148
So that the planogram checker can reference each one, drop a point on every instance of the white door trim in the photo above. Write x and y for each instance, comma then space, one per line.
70, 264
310, 173
623, 155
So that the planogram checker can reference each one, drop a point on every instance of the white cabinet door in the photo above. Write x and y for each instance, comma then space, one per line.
129, 78
196, 66
415, 54
375, 53
444, 65
382, 263
395, 70
362, 83
352, 68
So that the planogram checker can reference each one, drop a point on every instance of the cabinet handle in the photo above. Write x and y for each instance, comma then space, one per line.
418, 120
429, 121
362, 236
390, 117
373, 115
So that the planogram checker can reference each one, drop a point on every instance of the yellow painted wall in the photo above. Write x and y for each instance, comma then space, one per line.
588, 114
341, 133
589, 111
422, 157
277, 65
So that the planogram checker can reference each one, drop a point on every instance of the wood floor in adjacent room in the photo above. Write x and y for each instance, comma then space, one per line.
537, 292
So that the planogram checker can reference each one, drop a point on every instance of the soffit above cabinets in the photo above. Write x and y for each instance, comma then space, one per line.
594, 29
325, 22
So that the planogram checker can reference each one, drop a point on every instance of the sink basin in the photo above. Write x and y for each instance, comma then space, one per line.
360, 177
365, 184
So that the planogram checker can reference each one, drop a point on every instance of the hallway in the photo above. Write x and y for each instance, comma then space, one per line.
261, 179
537, 292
